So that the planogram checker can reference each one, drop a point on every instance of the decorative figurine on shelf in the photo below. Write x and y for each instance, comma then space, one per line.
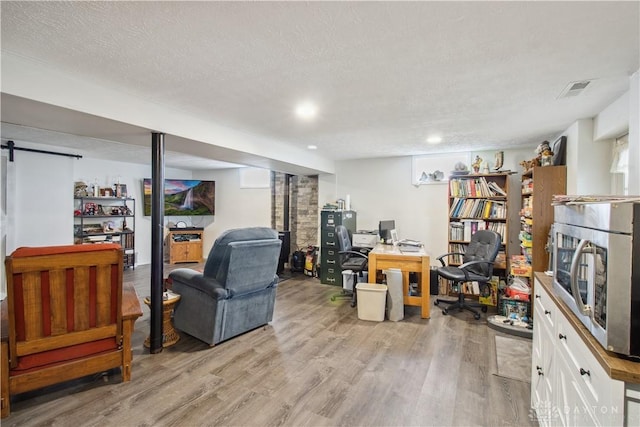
80, 189
545, 155
499, 160
476, 164
90, 209
485, 168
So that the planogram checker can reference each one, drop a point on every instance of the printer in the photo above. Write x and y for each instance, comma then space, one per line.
365, 238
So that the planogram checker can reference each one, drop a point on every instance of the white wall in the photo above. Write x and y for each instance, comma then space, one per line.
589, 144
235, 206
588, 161
382, 189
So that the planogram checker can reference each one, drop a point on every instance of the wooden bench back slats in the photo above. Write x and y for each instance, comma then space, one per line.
61, 300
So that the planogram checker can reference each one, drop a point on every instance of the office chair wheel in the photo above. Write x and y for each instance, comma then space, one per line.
476, 316
436, 302
353, 303
445, 312
333, 298
483, 308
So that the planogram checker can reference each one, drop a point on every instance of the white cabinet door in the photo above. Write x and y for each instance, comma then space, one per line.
572, 408
543, 381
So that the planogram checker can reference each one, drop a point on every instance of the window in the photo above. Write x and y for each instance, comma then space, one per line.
620, 166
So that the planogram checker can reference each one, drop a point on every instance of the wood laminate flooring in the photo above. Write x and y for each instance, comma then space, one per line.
316, 364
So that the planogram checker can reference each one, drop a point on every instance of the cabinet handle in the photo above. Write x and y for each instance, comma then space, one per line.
539, 369
537, 295
562, 337
547, 312
583, 372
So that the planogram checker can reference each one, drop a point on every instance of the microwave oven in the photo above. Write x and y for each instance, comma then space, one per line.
596, 270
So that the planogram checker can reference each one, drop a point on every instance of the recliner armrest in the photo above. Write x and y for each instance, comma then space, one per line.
197, 280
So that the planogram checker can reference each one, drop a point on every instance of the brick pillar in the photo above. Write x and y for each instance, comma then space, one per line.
303, 205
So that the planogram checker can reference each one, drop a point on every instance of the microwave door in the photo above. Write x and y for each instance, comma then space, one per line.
572, 269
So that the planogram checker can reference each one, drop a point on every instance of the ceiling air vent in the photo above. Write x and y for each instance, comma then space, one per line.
574, 89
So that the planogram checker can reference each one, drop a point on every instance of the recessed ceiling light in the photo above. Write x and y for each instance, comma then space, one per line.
434, 140
306, 110
312, 147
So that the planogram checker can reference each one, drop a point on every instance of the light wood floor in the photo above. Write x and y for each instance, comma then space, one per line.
315, 365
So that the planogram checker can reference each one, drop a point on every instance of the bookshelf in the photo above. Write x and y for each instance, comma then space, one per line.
478, 202
539, 185
106, 220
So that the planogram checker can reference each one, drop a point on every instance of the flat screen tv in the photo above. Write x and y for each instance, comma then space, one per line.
184, 197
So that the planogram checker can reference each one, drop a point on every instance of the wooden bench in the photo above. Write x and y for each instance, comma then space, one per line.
66, 315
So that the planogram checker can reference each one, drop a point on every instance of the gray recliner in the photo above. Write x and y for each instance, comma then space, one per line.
237, 290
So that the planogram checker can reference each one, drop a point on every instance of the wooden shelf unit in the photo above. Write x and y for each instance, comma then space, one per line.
478, 201
473, 205
539, 185
106, 220
184, 245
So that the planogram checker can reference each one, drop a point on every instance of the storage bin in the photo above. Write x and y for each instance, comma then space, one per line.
371, 301
395, 299
347, 280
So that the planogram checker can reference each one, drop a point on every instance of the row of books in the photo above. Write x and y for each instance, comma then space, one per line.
475, 187
477, 208
463, 230
459, 248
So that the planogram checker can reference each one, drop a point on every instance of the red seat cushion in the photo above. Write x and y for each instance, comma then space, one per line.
26, 251
37, 361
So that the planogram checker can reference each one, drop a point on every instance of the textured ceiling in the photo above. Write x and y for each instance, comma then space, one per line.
385, 75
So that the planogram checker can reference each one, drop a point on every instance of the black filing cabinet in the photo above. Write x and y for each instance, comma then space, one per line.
330, 273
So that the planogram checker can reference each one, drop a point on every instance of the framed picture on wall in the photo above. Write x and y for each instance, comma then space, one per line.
121, 190
436, 168
559, 149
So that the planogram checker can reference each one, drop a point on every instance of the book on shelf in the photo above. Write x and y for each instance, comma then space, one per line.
475, 187
477, 208
459, 249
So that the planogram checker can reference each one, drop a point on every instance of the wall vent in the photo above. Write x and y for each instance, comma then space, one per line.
574, 89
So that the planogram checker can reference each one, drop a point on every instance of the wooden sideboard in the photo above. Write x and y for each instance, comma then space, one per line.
184, 245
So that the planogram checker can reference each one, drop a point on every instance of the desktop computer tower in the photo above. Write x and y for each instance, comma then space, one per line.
285, 237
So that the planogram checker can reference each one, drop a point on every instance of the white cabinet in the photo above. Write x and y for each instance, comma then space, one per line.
543, 374
569, 386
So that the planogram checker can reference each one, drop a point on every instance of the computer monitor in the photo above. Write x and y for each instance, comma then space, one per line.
384, 229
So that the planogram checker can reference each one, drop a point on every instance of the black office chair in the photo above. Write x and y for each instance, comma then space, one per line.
349, 260
477, 266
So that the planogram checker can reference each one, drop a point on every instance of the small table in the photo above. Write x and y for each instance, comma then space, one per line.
383, 257
169, 334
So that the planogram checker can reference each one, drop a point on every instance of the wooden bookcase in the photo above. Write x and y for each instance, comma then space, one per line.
539, 185
478, 201
184, 245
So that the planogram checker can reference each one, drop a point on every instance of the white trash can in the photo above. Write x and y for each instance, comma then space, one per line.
395, 300
371, 301
347, 280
